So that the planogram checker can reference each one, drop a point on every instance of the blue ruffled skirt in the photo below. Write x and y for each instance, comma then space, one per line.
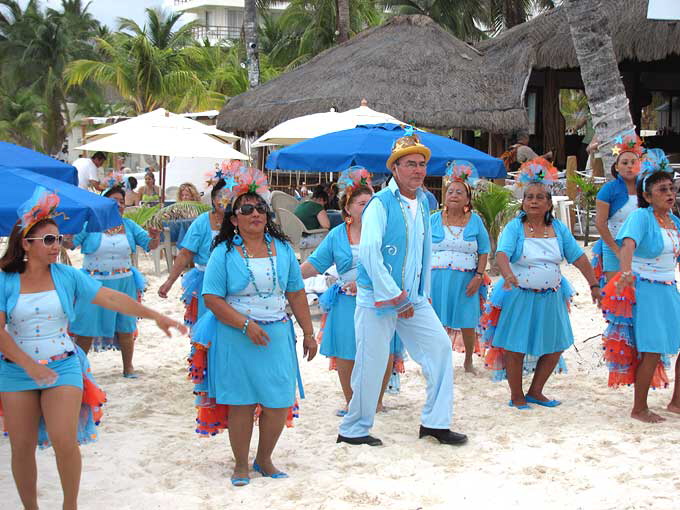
103, 324
454, 308
192, 297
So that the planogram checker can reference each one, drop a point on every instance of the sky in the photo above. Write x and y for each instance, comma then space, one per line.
106, 11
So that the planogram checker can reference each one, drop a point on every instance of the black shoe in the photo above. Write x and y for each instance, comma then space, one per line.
444, 436
369, 440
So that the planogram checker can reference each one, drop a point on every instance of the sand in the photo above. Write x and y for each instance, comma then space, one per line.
586, 453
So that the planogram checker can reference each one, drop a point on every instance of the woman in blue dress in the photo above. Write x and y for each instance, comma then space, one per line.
47, 392
195, 248
341, 247
460, 248
642, 302
615, 201
244, 361
107, 259
527, 319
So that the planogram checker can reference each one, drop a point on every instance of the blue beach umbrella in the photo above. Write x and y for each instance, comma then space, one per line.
15, 156
370, 146
78, 205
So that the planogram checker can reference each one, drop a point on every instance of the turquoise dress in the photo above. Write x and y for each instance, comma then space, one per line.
107, 259
227, 367
198, 240
37, 322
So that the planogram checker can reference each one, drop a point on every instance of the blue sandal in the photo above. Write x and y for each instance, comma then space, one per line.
523, 407
239, 482
280, 474
547, 403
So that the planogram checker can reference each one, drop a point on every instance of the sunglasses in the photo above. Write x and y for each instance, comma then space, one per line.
48, 239
247, 209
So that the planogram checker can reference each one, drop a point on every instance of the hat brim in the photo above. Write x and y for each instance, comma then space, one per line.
413, 149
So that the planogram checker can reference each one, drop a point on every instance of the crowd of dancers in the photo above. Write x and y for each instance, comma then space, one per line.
408, 283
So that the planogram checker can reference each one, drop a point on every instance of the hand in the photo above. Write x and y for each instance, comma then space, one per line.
42, 374
625, 281
350, 288
256, 334
309, 347
510, 282
473, 287
164, 289
165, 323
596, 294
406, 313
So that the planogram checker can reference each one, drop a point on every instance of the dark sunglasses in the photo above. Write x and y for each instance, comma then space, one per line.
48, 239
247, 209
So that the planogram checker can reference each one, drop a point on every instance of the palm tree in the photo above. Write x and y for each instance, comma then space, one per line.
599, 71
252, 51
161, 29
144, 74
463, 18
504, 14
20, 120
343, 16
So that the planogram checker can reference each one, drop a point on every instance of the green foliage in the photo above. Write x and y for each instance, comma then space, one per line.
142, 215
177, 211
496, 206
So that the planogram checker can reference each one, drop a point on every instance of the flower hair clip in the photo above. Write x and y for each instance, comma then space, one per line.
654, 160
226, 170
353, 178
537, 171
463, 171
251, 180
42, 204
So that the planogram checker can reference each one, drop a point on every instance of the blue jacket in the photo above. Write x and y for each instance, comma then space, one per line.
641, 226
334, 249
136, 236
511, 241
226, 272
474, 231
74, 288
198, 239
615, 193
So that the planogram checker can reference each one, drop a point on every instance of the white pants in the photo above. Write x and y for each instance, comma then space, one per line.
428, 345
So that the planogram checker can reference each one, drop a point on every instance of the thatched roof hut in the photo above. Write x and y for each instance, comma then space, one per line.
410, 68
546, 39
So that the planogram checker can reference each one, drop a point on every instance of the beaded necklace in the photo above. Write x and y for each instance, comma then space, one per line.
251, 276
531, 230
455, 235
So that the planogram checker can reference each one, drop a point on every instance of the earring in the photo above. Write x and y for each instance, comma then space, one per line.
349, 220
237, 240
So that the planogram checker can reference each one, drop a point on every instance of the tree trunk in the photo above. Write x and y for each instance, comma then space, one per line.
250, 31
342, 20
600, 73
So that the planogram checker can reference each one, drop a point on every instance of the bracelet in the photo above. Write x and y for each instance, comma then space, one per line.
481, 275
596, 286
305, 335
245, 326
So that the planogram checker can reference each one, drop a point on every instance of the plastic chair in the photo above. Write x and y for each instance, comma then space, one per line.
281, 200
293, 227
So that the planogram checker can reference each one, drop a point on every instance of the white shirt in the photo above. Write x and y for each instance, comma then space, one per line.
539, 266
661, 268
619, 217
87, 171
412, 205
454, 252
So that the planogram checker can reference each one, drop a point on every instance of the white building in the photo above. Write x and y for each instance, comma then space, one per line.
220, 19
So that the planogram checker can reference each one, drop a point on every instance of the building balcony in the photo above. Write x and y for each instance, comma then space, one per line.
199, 6
214, 33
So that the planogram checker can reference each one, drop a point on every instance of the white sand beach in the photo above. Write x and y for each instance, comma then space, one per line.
587, 453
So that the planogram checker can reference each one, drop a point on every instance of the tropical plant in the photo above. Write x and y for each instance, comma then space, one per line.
176, 211
463, 18
142, 215
586, 194
496, 206
161, 29
504, 14
20, 121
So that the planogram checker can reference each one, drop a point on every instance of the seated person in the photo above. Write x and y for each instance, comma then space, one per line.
313, 215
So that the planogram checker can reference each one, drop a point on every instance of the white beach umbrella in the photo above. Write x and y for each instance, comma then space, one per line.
317, 124
160, 118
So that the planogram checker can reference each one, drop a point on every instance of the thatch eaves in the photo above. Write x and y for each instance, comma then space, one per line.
546, 39
409, 67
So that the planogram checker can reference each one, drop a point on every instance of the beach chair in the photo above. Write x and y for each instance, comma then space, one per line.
293, 227
281, 200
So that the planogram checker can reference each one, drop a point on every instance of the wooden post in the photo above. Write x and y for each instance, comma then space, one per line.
572, 165
598, 167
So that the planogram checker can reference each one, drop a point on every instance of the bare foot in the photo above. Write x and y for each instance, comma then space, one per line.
647, 416
469, 369
380, 408
673, 408
538, 396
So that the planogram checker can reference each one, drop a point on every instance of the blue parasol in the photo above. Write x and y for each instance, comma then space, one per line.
15, 156
370, 146
17, 185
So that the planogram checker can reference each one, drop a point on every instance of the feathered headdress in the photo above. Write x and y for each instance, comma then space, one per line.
112, 180
654, 160
460, 170
42, 204
251, 180
223, 171
627, 143
537, 171
353, 178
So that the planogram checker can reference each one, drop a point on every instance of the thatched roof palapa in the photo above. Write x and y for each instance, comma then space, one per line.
546, 39
410, 68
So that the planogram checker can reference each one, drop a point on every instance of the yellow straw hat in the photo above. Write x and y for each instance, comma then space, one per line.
408, 144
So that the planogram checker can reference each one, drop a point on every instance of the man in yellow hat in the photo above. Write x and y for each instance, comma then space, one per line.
393, 287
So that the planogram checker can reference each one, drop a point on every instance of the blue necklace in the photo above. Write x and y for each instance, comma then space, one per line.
251, 276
